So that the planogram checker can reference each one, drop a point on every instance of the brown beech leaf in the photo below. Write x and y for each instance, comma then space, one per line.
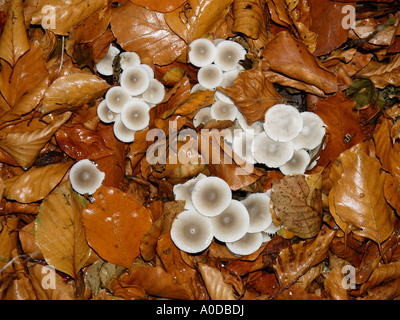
67, 14
249, 17
253, 94
290, 57
294, 261
146, 32
24, 146
120, 220
196, 18
9, 241
382, 273
59, 230
36, 183
71, 91
160, 6
28, 241
14, 40
289, 197
333, 284
214, 281
359, 197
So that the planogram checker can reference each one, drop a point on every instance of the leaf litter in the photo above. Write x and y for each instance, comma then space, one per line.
341, 214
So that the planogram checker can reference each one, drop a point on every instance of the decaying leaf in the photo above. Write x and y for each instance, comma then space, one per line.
216, 287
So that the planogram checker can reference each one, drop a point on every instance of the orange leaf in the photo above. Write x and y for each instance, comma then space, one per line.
115, 223
160, 6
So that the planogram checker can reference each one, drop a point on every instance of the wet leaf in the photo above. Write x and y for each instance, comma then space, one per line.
160, 6
214, 281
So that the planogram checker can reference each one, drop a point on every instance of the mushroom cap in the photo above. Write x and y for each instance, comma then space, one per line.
191, 232
135, 80
271, 229
197, 87
116, 98
255, 128
155, 92
246, 245
257, 204
210, 76
241, 145
297, 164
183, 191
223, 97
85, 177
270, 152
229, 53
312, 132
202, 52
211, 196
122, 132
105, 114
232, 223
129, 59
105, 65
283, 122
148, 69
135, 115
202, 116
223, 111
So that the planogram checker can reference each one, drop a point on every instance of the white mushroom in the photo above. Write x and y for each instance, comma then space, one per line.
202, 52
135, 115
202, 116
271, 229
85, 177
155, 92
116, 98
297, 164
270, 152
283, 122
210, 76
122, 132
105, 114
211, 196
241, 145
129, 59
197, 87
148, 69
257, 204
229, 53
191, 232
135, 80
255, 128
232, 223
105, 65
183, 191
248, 244
223, 111
312, 132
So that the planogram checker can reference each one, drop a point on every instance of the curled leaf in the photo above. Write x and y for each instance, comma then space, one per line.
214, 281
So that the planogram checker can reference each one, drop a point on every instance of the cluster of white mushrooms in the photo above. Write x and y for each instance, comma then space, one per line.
128, 105
218, 61
210, 212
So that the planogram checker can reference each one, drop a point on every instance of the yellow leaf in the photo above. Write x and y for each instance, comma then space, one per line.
214, 281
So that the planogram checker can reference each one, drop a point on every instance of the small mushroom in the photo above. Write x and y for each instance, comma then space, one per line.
135, 80
135, 115
255, 128
129, 59
105, 114
283, 122
270, 152
246, 245
312, 133
122, 132
116, 98
241, 145
105, 65
202, 116
202, 52
211, 196
229, 53
197, 87
191, 232
297, 164
257, 204
155, 92
149, 70
266, 237
85, 177
210, 76
232, 223
223, 111
183, 191
272, 229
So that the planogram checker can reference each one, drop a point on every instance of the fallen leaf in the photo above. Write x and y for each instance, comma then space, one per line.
214, 281
59, 230
121, 220
160, 6
382, 273
249, 17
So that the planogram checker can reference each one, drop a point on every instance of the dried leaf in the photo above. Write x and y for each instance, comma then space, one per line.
382, 273
121, 220
214, 281
36, 183
59, 230
289, 197
249, 17
160, 6
333, 284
